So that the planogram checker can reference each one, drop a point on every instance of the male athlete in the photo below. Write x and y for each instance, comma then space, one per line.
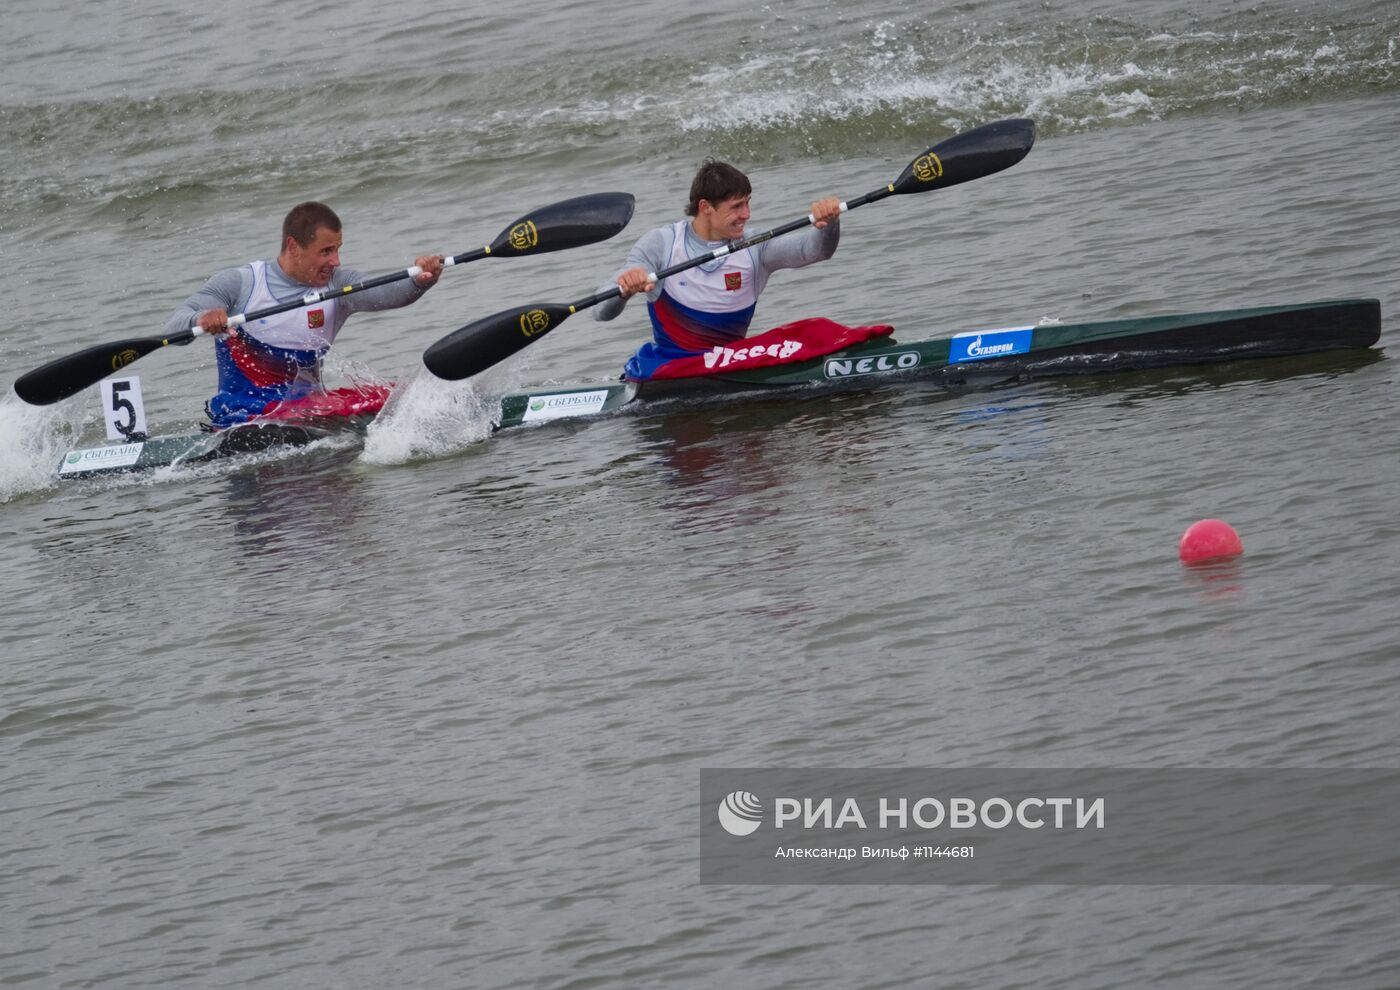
275, 362
711, 304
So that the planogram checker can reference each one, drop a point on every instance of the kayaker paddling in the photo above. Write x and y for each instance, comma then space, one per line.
471, 349
275, 362
559, 226
711, 305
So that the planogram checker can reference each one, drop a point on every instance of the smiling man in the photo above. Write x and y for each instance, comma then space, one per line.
277, 361
714, 303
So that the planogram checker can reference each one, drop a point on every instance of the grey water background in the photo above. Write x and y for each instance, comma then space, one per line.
432, 713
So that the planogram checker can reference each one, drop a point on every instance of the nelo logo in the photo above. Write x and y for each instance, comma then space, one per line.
740, 813
122, 359
881, 365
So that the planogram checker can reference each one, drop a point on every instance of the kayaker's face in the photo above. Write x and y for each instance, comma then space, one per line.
724, 221
314, 263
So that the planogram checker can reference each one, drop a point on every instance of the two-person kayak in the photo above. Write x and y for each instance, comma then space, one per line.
964, 358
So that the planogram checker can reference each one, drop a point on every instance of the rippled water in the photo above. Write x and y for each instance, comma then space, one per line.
432, 713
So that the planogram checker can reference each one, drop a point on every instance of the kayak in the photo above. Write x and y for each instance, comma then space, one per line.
965, 358
997, 355
140, 454
294, 423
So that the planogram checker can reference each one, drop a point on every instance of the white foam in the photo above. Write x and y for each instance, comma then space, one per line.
427, 417
32, 441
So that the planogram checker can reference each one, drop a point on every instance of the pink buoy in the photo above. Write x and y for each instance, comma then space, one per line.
1209, 539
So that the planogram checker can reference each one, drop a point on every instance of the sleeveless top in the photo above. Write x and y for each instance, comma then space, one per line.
272, 359
706, 305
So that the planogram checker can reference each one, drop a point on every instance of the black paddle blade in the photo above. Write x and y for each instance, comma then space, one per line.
568, 224
477, 346
970, 155
69, 375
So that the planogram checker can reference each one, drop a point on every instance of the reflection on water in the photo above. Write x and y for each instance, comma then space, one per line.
744, 444
1217, 581
292, 506
749, 447
1161, 382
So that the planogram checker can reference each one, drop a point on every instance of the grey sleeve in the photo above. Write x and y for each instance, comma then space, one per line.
225, 290
390, 296
651, 252
800, 249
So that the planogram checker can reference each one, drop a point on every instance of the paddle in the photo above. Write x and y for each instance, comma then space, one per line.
557, 227
973, 154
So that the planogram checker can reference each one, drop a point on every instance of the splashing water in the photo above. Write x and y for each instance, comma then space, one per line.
427, 417
32, 439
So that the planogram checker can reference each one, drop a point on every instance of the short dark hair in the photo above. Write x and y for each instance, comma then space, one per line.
305, 219
716, 182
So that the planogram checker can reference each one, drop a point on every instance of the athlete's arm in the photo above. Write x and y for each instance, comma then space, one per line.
389, 296
648, 255
211, 305
802, 248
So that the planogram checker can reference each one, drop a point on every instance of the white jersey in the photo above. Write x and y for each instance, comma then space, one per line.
310, 328
720, 286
